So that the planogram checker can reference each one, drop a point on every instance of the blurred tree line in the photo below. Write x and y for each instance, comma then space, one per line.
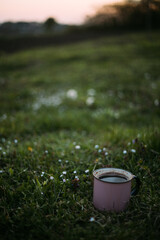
129, 15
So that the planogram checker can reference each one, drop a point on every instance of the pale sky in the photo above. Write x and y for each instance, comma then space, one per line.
64, 11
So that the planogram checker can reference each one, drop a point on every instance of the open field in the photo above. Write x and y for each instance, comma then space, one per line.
56, 105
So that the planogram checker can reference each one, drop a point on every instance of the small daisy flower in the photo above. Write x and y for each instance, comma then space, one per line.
87, 171
124, 152
46, 152
77, 147
64, 180
106, 154
92, 219
75, 172
66, 161
43, 173
15, 141
51, 177
59, 160
96, 146
99, 150
42, 193
61, 175
64, 172
133, 150
1, 171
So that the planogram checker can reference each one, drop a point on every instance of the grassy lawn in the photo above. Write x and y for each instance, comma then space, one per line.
77, 108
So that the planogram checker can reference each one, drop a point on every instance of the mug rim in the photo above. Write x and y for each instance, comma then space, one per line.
99, 172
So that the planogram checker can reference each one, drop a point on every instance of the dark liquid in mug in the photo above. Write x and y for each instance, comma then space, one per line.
113, 179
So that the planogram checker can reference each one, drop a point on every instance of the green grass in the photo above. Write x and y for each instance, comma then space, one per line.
40, 124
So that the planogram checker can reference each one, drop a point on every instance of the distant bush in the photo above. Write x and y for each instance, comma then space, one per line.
50, 23
128, 15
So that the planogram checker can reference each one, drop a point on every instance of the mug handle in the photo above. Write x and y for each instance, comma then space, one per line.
136, 189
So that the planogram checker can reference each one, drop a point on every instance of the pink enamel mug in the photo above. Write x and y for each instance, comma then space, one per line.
112, 189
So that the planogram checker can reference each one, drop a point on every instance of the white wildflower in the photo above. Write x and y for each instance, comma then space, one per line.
64, 172
156, 102
99, 150
91, 92
124, 152
96, 146
66, 161
86, 171
133, 150
72, 94
1, 171
60, 160
90, 101
75, 172
15, 141
92, 219
51, 177
4, 153
106, 154
77, 147
46, 152
64, 180
0, 148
